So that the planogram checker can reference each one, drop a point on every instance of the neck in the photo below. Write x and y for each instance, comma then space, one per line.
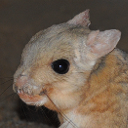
101, 94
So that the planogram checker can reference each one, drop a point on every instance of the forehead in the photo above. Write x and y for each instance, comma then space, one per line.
54, 43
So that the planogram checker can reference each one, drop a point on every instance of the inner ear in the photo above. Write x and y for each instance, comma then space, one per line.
101, 43
81, 19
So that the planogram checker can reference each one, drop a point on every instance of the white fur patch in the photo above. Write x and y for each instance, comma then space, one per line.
73, 120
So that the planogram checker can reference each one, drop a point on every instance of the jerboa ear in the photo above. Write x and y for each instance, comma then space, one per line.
81, 19
100, 43
96, 45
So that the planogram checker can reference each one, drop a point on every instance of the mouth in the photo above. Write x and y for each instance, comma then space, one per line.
36, 100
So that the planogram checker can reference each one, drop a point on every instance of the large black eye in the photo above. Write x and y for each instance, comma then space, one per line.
60, 66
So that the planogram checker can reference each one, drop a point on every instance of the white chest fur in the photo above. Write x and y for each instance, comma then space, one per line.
74, 120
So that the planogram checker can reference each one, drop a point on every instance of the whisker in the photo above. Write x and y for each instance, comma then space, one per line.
49, 117
5, 90
6, 81
5, 77
62, 114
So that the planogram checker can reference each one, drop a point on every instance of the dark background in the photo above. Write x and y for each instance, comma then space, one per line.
20, 20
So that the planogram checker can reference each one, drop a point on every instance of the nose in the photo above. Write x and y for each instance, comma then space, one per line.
21, 81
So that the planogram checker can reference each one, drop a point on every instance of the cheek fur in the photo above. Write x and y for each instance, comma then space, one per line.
62, 100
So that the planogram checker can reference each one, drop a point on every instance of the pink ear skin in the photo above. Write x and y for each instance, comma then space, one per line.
101, 43
81, 19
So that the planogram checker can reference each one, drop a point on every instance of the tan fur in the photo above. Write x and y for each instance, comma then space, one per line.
93, 93
106, 98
